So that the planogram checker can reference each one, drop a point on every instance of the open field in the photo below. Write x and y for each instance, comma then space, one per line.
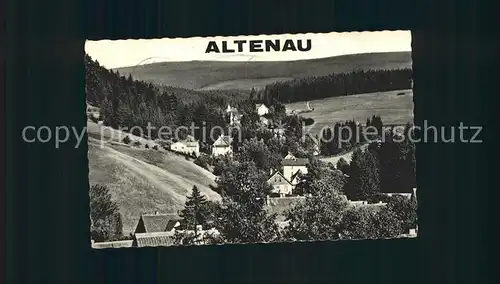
391, 107
229, 74
145, 180
244, 84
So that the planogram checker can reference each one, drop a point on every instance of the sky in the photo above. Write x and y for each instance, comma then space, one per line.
123, 53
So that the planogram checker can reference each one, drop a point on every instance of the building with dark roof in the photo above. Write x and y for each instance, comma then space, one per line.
291, 165
154, 239
280, 184
153, 223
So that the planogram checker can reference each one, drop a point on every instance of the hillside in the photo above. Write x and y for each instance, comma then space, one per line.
144, 180
208, 75
394, 107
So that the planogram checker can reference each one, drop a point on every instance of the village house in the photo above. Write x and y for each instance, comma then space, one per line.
234, 115
223, 145
187, 146
262, 109
157, 239
284, 182
169, 239
291, 165
281, 186
264, 121
154, 223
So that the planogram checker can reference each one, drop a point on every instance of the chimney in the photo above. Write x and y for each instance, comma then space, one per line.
415, 191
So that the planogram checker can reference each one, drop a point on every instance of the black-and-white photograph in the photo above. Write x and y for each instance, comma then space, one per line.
251, 139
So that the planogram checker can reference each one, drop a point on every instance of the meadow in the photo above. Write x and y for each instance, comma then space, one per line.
394, 107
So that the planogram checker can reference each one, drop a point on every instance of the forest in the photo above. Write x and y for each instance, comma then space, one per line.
335, 85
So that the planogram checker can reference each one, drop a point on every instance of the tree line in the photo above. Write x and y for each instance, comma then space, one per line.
336, 85
387, 166
346, 135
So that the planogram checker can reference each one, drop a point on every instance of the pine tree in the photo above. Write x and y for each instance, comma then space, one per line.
107, 112
353, 183
194, 213
124, 115
378, 124
252, 95
369, 182
343, 165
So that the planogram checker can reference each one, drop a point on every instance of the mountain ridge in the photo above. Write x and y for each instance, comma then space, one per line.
198, 74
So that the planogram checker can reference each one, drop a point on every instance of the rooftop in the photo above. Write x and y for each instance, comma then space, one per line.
157, 223
154, 239
223, 140
295, 162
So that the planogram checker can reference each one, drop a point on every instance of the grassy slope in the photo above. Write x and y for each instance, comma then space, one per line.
391, 107
144, 180
244, 75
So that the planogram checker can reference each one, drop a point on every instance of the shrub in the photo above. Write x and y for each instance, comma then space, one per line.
155, 147
201, 161
308, 121
146, 146
93, 118
126, 140
137, 144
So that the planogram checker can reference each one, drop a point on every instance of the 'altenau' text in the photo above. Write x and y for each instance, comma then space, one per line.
258, 46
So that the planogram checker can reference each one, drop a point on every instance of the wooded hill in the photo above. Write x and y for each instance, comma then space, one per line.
245, 75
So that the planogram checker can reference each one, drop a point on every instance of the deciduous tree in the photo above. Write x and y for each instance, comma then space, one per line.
317, 218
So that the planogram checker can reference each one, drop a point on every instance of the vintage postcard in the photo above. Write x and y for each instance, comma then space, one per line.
251, 139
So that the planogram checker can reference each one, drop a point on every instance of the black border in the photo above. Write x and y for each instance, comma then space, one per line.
46, 200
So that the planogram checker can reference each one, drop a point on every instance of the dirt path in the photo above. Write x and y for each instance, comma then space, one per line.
347, 156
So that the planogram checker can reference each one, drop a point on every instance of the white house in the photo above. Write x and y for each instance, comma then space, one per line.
222, 146
187, 146
291, 165
264, 121
234, 115
262, 109
280, 184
